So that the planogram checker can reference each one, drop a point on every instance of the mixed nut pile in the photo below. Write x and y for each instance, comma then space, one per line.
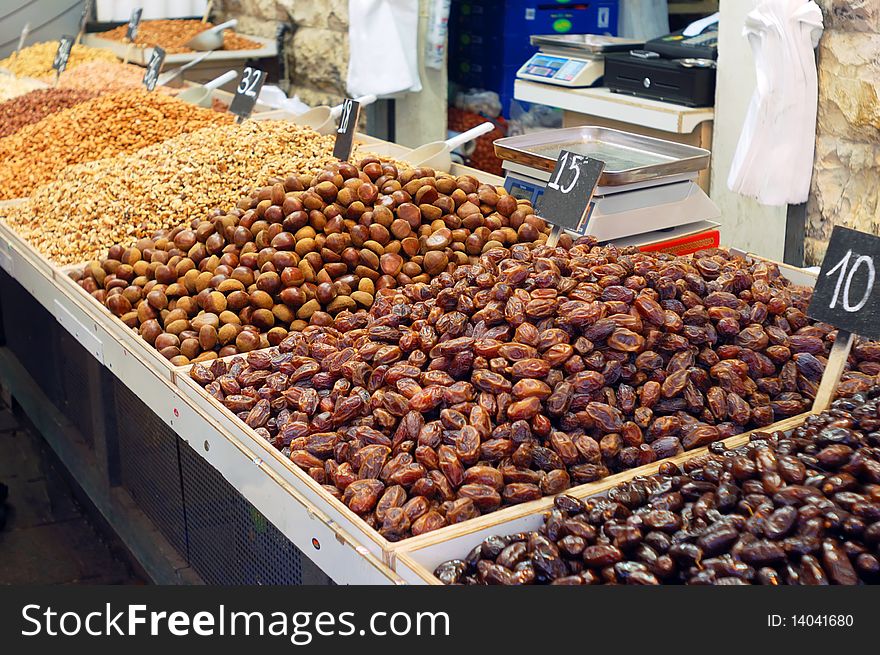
534, 370
34, 106
36, 60
301, 251
802, 509
105, 126
172, 35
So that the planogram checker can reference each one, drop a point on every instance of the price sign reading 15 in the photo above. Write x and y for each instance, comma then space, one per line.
566, 201
845, 291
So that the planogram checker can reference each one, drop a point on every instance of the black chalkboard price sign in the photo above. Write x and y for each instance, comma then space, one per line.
847, 295
62, 54
133, 24
247, 92
151, 76
566, 200
348, 122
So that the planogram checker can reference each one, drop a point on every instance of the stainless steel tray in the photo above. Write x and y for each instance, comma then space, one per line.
581, 44
628, 157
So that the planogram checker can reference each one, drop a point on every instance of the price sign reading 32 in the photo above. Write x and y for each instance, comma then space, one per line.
844, 294
247, 92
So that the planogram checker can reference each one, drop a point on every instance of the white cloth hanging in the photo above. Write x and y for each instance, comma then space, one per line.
773, 162
643, 19
383, 37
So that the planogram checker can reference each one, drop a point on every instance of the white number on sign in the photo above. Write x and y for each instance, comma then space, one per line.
842, 266
249, 79
574, 165
346, 116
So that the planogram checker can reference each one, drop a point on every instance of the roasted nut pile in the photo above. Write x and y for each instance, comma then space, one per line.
797, 510
36, 60
36, 105
172, 35
105, 126
533, 371
163, 186
302, 251
106, 77
12, 87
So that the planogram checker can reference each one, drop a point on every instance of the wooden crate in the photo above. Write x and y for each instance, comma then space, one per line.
417, 558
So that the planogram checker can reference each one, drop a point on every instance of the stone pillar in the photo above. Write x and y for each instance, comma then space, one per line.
847, 163
315, 50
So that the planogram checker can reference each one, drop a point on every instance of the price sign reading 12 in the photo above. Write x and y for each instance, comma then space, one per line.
845, 294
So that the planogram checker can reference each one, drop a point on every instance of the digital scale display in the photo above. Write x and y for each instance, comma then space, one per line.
531, 191
562, 69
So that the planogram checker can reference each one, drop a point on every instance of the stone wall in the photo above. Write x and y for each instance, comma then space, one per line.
846, 172
315, 49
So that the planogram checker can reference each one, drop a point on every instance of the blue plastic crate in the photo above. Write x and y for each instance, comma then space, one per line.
489, 39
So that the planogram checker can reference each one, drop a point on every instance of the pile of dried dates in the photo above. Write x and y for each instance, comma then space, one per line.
534, 370
782, 510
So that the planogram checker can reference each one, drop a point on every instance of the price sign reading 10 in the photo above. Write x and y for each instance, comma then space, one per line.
845, 290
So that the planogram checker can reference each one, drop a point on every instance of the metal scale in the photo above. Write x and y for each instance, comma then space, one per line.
572, 60
649, 185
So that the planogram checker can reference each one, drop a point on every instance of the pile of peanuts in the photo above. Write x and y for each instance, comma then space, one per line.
106, 77
103, 127
301, 251
163, 186
12, 87
36, 60
36, 105
172, 35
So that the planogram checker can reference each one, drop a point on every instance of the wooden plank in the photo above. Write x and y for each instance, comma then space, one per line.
411, 555
833, 370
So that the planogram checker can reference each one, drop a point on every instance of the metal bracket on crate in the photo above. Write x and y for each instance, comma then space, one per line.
737, 252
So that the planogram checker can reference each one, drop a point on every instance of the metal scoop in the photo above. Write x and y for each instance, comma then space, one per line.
166, 77
436, 154
210, 39
201, 94
323, 118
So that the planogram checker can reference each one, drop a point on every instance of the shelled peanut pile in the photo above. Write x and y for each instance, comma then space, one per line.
36, 60
164, 186
34, 106
172, 35
108, 125
802, 509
